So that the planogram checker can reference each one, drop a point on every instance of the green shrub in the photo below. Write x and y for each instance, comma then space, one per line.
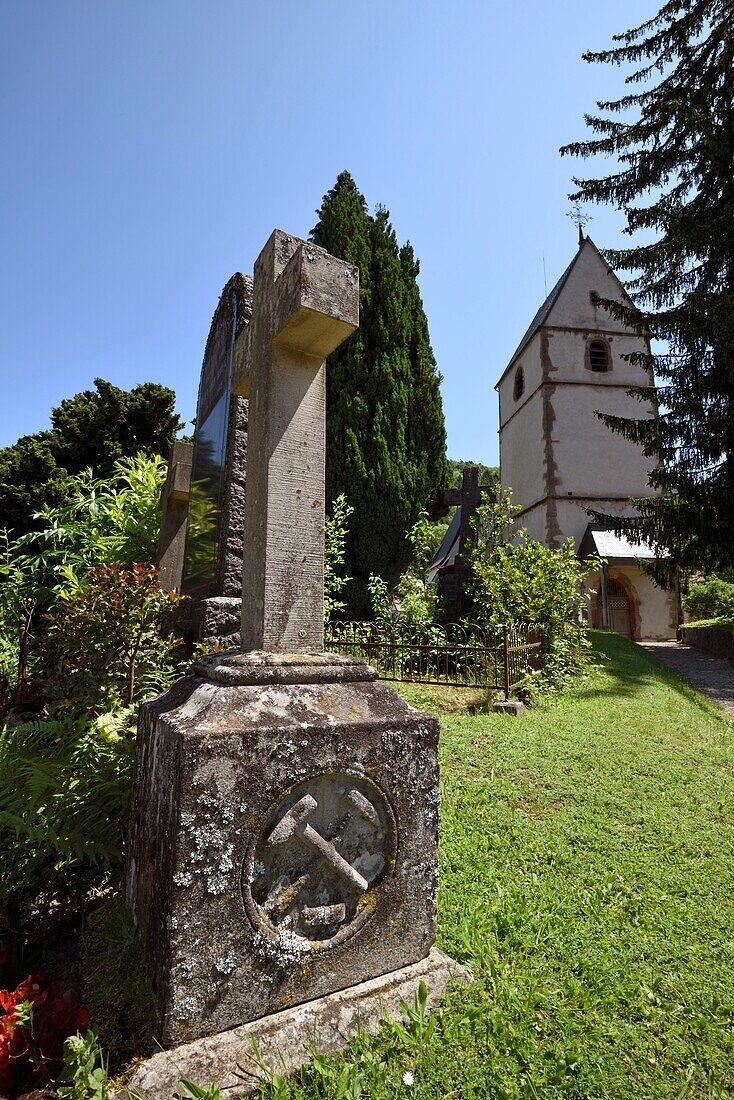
104, 646
335, 537
99, 522
64, 798
517, 581
710, 599
411, 602
65, 778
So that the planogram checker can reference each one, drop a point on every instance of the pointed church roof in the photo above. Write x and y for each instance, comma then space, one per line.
448, 550
543, 315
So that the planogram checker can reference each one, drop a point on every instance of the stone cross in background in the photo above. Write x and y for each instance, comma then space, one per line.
454, 575
174, 514
305, 304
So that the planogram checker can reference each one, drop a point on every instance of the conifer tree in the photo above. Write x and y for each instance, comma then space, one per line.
385, 433
673, 138
93, 429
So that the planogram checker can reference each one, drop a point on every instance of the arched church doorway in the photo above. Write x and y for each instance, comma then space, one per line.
619, 607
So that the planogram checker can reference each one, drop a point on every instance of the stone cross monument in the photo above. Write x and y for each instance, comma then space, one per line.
305, 304
285, 813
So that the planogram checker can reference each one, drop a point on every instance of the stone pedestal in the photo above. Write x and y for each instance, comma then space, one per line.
284, 837
285, 1041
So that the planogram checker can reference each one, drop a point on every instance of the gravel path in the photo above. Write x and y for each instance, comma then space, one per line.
713, 676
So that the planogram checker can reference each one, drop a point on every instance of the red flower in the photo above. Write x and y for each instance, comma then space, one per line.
32, 1055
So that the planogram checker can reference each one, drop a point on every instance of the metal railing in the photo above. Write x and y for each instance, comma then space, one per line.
454, 654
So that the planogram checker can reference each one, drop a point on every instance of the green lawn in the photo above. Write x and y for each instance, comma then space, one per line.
587, 863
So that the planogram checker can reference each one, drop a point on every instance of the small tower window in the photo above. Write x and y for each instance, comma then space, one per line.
519, 387
598, 356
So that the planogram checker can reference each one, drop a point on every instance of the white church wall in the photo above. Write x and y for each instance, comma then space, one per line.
534, 522
589, 458
522, 450
523, 453
567, 360
573, 307
533, 375
653, 609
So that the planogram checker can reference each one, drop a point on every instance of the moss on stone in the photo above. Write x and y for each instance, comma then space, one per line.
115, 988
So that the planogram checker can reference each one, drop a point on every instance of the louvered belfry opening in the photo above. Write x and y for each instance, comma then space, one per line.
598, 356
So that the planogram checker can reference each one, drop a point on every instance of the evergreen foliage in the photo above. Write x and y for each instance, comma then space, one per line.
94, 429
673, 137
385, 433
488, 475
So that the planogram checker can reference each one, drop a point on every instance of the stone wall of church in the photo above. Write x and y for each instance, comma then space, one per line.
523, 453
654, 616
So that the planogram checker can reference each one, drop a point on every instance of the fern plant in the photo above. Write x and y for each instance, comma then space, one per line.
64, 796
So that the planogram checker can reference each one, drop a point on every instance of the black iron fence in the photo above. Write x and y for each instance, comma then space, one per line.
456, 654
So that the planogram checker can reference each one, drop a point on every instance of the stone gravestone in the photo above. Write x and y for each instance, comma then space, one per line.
283, 847
207, 549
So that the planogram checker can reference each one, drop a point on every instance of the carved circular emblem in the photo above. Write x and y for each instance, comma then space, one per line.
313, 870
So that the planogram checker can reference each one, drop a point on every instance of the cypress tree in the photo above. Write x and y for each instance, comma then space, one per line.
674, 145
385, 433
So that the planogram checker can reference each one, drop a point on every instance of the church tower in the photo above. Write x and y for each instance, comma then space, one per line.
560, 459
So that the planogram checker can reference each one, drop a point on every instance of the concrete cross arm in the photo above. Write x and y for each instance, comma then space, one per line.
309, 302
317, 302
178, 481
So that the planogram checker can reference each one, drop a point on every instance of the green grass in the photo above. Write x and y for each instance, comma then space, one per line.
587, 862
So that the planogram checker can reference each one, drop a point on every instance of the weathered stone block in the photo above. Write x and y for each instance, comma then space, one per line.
508, 706
286, 1040
284, 841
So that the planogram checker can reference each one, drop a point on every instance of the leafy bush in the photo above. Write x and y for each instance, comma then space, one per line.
64, 797
104, 646
335, 536
411, 602
710, 599
99, 522
518, 581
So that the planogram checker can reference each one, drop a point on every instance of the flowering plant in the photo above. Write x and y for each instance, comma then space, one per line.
34, 1023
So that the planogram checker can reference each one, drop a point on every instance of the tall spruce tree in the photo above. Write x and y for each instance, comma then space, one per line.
674, 145
385, 433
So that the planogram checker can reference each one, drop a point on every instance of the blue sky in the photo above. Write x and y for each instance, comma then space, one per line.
151, 147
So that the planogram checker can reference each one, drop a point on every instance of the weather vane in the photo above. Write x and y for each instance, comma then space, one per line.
579, 218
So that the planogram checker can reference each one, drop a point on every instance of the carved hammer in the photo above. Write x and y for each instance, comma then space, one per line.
294, 823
